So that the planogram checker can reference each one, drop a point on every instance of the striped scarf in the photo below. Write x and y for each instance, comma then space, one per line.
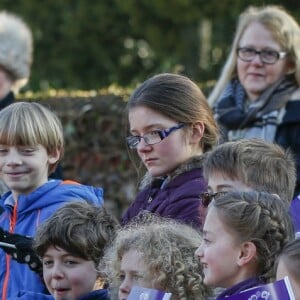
259, 119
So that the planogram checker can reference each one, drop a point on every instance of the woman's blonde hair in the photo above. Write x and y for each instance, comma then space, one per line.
167, 249
31, 124
285, 31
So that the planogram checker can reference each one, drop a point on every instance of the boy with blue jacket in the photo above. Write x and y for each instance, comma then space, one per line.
71, 245
31, 145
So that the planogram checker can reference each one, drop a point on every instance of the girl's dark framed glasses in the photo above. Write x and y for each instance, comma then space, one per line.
207, 197
151, 137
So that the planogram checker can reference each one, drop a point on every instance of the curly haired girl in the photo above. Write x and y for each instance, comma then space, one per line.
158, 253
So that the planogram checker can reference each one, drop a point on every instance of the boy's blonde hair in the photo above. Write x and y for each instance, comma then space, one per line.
261, 165
31, 124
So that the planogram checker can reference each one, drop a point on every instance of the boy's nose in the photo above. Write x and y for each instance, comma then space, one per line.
57, 271
13, 158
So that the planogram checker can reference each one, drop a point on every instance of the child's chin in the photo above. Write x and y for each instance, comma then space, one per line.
154, 172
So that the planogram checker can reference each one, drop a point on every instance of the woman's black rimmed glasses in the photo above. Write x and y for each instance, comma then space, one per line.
267, 56
207, 197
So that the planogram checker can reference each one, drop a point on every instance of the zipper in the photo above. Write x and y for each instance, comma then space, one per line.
12, 224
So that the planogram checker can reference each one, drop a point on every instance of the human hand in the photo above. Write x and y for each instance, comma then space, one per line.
20, 249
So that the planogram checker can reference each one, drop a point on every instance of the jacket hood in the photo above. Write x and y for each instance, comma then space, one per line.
54, 192
195, 162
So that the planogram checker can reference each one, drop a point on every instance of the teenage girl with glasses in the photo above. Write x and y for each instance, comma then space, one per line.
171, 126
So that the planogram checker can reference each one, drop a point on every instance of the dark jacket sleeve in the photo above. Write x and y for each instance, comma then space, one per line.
288, 135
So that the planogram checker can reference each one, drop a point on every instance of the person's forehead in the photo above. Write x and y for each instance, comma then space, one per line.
218, 181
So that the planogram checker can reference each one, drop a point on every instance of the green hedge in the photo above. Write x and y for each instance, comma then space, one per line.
82, 44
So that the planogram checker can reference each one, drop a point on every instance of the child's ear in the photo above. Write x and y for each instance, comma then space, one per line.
197, 131
247, 253
54, 156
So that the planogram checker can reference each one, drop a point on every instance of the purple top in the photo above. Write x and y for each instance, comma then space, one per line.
295, 213
241, 286
178, 198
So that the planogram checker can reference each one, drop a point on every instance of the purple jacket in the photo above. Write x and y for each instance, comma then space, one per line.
295, 214
176, 197
240, 287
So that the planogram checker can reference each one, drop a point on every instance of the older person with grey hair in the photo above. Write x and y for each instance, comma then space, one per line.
16, 49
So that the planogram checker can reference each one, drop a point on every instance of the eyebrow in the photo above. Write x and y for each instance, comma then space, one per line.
148, 127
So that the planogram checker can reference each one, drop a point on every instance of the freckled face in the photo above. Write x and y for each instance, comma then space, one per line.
255, 76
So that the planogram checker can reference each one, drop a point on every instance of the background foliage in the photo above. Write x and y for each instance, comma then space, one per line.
85, 44
102, 46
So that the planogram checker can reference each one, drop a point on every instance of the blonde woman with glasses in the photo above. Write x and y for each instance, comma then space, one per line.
257, 94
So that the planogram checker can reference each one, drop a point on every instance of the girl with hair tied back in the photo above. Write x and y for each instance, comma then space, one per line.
171, 127
243, 234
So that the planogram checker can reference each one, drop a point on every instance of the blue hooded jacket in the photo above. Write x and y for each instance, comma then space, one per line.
24, 218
